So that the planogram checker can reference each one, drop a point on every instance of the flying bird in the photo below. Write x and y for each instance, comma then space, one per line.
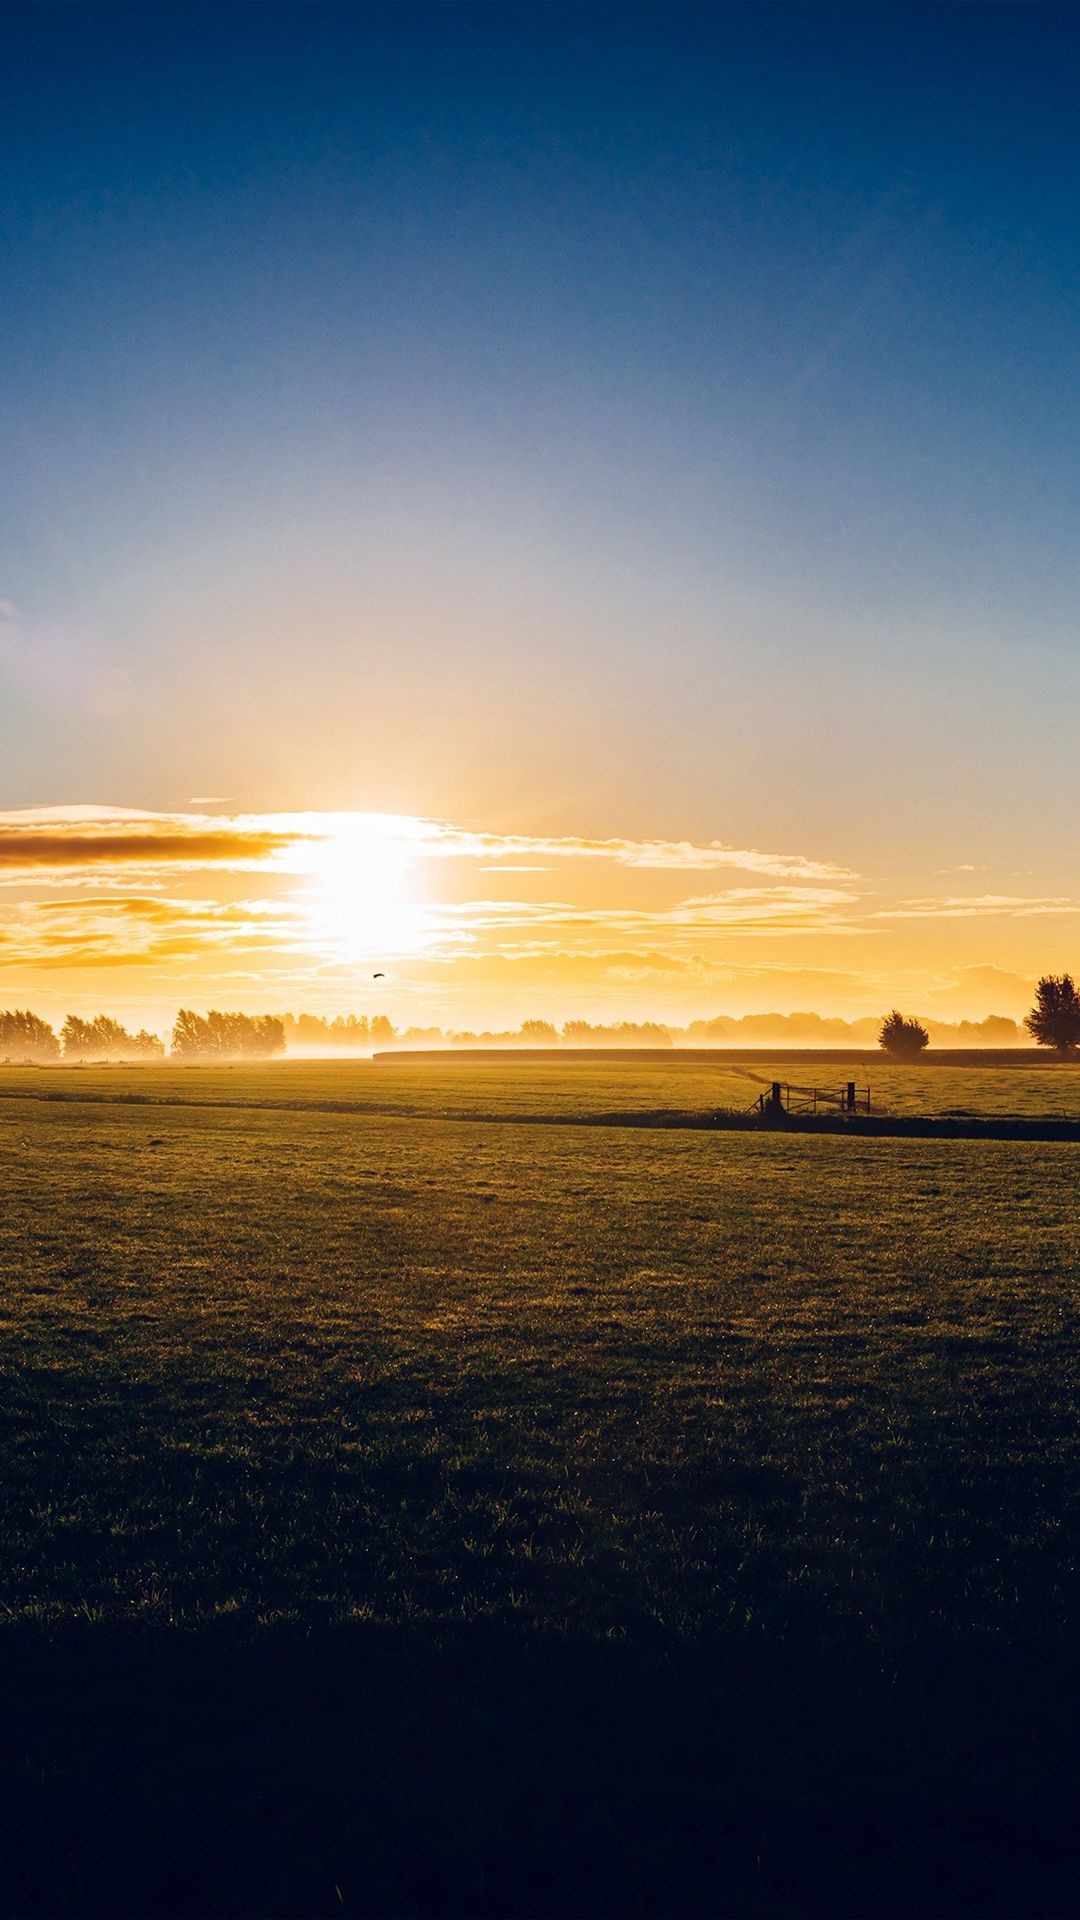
378, 976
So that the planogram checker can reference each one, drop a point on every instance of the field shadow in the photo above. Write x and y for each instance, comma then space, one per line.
368, 1771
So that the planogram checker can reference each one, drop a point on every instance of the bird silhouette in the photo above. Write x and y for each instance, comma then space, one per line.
378, 976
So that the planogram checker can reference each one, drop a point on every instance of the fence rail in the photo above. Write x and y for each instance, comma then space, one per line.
781, 1097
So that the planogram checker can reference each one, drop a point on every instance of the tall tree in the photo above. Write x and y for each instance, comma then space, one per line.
1054, 1020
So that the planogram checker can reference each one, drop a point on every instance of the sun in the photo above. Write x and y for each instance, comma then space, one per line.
358, 899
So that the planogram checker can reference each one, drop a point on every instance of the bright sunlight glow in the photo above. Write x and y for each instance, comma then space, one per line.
357, 901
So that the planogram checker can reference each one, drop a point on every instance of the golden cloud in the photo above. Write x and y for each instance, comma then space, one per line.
37, 849
119, 881
75, 837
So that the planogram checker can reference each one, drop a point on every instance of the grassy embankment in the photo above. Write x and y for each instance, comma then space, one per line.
418, 1518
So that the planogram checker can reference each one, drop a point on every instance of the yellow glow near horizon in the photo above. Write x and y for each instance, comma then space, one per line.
114, 907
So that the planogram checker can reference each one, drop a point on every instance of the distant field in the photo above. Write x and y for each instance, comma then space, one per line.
405, 1516
461, 1083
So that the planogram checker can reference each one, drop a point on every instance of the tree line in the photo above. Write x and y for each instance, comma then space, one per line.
23, 1036
26, 1037
226, 1036
105, 1039
348, 1032
1054, 1022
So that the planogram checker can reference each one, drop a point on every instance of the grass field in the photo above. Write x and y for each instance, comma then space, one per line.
412, 1516
464, 1084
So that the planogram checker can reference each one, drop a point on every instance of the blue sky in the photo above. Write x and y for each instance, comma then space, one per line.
586, 420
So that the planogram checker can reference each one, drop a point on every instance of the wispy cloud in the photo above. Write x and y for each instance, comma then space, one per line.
769, 910
680, 855
139, 931
979, 906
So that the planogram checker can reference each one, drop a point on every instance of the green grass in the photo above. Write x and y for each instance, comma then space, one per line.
416, 1517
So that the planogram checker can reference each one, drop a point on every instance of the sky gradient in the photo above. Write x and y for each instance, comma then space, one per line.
536, 430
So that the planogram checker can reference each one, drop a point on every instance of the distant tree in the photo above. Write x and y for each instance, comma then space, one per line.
105, 1039
627, 1033
903, 1038
147, 1046
23, 1036
76, 1038
722, 1027
352, 1030
113, 1039
997, 1030
538, 1033
313, 1033
1054, 1020
189, 1038
422, 1037
577, 1033
226, 1036
640, 1033
793, 1029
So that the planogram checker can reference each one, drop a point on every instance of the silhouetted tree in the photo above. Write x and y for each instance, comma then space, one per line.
187, 1038
24, 1037
226, 1036
147, 1046
264, 1036
75, 1037
1054, 1020
903, 1038
105, 1039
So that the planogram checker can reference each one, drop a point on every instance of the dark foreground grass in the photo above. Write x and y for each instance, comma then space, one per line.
412, 1518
